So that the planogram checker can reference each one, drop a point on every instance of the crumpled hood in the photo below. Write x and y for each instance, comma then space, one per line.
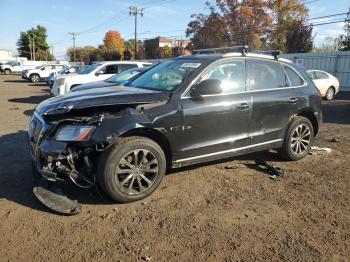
116, 95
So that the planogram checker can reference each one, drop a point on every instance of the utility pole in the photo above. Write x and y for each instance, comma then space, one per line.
73, 38
33, 43
135, 11
52, 51
30, 48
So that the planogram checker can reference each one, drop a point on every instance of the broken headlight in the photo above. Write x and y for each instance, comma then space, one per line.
74, 133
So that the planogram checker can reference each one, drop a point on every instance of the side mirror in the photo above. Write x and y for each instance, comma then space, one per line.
71, 70
99, 72
207, 87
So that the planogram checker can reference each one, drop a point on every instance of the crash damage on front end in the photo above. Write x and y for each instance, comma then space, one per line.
68, 133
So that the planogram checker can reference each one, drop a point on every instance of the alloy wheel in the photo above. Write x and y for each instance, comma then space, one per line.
35, 78
301, 138
136, 171
330, 94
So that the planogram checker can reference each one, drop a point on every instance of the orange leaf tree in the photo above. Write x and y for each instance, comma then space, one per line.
113, 42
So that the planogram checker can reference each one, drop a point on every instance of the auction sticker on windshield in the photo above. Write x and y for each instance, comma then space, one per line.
191, 65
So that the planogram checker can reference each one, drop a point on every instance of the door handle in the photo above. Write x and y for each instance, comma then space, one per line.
293, 100
243, 106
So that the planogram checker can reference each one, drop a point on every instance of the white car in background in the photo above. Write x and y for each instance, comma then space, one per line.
94, 73
327, 84
67, 71
40, 73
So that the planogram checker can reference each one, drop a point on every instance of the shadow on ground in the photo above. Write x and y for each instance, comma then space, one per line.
30, 100
16, 178
16, 81
337, 111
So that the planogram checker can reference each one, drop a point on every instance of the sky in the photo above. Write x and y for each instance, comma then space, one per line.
92, 19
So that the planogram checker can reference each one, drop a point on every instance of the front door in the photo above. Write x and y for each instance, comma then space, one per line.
216, 124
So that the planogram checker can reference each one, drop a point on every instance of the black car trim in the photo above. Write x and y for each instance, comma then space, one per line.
227, 151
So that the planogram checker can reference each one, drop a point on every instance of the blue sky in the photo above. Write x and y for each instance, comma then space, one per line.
94, 18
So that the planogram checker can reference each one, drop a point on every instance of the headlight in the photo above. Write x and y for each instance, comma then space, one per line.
61, 81
74, 133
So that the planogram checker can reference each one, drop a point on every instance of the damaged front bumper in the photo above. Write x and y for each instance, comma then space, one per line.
55, 161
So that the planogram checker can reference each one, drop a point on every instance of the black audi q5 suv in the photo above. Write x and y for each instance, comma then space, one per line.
183, 111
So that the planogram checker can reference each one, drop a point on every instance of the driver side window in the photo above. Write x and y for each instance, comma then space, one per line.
232, 75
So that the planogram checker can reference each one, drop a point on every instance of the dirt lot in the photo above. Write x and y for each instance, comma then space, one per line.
203, 213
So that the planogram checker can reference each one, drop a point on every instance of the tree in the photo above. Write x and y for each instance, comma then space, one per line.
299, 37
207, 31
113, 42
284, 12
344, 40
25, 42
328, 44
246, 21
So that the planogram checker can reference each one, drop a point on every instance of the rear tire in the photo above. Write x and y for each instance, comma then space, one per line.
34, 78
7, 71
131, 169
298, 139
330, 94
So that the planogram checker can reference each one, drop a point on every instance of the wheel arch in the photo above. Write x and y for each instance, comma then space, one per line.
312, 118
34, 74
154, 135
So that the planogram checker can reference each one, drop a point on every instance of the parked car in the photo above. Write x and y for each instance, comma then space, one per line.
326, 83
15, 67
186, 110
67, 71
40, 73
95, 72
118, 79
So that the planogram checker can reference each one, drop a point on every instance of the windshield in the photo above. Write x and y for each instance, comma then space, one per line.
124, 76
39, 67
168, 75
89, 69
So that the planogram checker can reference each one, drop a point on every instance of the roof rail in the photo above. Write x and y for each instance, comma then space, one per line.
274, 53
241, 48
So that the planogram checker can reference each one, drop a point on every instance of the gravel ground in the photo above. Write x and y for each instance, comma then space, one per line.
202, 213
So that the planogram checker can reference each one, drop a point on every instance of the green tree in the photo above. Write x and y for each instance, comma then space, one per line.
299, 37
284, 12
344, 40
25, 43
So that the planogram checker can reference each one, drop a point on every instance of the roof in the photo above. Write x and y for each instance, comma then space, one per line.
233, 54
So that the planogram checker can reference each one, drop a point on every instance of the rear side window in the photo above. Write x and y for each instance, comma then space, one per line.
231, 74
263, 75
294, 78
126, 67
111, 69
321, 75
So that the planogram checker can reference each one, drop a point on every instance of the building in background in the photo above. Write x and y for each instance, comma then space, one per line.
5, 55
162, 47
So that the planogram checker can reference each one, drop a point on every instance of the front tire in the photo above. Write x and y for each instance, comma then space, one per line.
131, 169
298, 139
34, 78
330, 94
7, 71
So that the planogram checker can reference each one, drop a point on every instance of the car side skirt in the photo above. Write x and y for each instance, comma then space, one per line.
228, 153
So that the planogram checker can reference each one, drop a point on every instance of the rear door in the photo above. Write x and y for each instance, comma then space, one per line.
275, 99
216, 124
